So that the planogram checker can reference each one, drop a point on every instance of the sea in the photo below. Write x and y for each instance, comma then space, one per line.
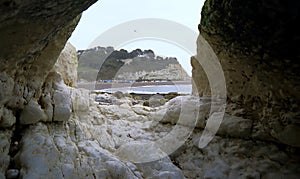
161, 89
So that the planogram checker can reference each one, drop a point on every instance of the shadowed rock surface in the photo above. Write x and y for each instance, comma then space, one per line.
257, 44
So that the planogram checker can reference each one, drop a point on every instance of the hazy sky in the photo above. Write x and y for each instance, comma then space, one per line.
106, 14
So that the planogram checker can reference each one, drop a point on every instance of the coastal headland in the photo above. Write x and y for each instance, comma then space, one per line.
107, 85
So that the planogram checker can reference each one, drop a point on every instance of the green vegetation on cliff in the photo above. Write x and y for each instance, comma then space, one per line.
102, 63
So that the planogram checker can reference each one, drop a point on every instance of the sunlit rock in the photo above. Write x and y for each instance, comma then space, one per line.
66, 65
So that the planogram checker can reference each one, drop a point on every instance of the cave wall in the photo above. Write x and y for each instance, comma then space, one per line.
257, 43
33, 33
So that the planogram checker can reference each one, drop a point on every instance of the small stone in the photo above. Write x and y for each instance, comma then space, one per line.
118, 94
12, 173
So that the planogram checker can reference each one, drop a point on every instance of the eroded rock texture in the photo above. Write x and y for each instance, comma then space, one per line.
66, 65
257, 44
33, 33
101, 141
50, 130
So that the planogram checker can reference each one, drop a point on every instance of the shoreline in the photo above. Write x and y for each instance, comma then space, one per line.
100, 86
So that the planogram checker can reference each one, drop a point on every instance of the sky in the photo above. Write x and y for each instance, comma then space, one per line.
124, 18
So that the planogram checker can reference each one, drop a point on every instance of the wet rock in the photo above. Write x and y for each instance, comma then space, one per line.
106, 99
155, 101
118, 94
12, 173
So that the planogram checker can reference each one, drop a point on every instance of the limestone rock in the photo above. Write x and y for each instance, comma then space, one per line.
200, 82
7, 118
62, 105
60, 97
32, 113
66, 65
106, 99
46, 104
80, 100
257, 46
98, 142
135, 152
290, 135
5, 140
190, 109
262, 80
230, 158
165, 167
235, 127
181, 108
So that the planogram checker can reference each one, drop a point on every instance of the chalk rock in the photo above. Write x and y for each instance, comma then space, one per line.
32, 113
66, 64
62, 105
80, 100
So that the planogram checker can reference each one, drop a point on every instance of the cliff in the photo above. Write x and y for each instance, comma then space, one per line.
106, 64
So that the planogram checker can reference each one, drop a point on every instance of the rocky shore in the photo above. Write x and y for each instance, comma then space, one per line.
77, 133
100, 139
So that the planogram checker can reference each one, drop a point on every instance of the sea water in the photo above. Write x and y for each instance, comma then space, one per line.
161, 89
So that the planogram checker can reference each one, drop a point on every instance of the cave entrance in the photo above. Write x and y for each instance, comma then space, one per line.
155, 42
